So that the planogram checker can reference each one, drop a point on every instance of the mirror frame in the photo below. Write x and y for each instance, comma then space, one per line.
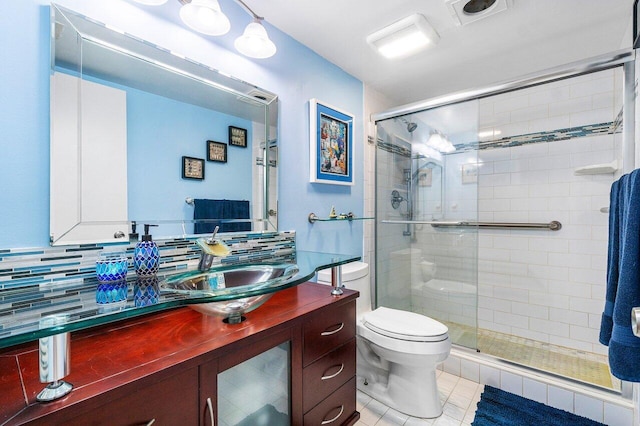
245, 95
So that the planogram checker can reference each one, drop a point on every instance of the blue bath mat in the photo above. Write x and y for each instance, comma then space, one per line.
497, 407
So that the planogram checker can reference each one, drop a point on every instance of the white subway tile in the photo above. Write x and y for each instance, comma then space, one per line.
615, 415
534, 390
584, 334
510, 382
570, 106
533, 311
470, 370
510, 104
604, 115
551, 327
550, 96
560, 398
588, 88
530, 113
489, 376
590, 306
589, 407
511, 320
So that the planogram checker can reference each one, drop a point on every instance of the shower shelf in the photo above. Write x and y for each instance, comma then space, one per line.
348, 217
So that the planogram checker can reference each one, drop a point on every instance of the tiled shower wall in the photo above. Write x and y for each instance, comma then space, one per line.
547, 285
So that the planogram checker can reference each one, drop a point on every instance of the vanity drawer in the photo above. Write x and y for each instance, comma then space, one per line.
328, 330
335, 409
328, 373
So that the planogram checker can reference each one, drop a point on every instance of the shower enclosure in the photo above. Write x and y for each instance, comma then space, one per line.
491, 216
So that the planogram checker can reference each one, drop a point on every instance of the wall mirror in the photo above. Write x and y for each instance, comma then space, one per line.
132, 127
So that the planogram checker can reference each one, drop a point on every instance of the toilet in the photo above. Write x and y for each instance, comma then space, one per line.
398, 351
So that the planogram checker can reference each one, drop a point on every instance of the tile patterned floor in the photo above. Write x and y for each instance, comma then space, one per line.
459, 398
579, 365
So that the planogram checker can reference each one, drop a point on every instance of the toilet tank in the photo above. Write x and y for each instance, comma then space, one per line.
355, 276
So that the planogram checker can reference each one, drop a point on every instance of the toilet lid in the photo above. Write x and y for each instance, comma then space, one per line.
405, 325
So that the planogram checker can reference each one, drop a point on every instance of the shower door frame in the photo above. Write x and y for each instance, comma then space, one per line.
625, 58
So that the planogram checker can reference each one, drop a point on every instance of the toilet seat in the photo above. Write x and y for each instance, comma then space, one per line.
405, 325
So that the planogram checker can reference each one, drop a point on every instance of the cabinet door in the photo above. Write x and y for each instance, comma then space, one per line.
254, 384
208, 393
172, 401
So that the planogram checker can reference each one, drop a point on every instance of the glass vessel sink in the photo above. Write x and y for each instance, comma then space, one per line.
236, 282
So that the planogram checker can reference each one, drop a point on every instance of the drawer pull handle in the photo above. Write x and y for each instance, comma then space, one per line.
210, 409
329, 333
151, 422
331, 376
326, 422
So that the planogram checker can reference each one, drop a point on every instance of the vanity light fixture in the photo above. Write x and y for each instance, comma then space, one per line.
255, 42
405, 37
206, 17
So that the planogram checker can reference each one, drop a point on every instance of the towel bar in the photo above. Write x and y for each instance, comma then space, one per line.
553, 225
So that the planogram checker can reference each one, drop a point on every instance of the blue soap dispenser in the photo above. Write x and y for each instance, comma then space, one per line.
146, 256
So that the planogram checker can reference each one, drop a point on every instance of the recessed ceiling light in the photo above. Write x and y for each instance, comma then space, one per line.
405, 37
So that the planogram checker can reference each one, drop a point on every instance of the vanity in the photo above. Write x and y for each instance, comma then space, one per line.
169, 366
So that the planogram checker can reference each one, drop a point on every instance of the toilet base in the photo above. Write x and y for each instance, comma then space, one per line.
410, 390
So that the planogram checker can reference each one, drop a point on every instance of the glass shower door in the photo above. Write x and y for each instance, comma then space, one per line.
426, 193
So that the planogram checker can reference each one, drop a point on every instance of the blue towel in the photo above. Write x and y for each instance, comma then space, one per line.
623, 278
220, 209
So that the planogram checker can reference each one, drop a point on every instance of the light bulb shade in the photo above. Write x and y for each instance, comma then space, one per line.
255, 42
151, 2
205, 16
439, 142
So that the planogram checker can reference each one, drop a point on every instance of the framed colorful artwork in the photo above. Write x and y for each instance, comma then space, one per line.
331, 144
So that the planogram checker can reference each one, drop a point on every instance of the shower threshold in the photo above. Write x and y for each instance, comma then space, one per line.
586, 367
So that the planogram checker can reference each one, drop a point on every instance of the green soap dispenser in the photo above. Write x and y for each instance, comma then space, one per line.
146, 256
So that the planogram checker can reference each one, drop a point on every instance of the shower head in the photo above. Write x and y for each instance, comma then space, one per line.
411, 126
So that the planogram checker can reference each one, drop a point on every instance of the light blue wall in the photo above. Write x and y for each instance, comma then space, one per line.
295, 73
162, 132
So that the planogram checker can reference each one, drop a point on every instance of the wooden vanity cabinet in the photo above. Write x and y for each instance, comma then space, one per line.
165, 367
329, 365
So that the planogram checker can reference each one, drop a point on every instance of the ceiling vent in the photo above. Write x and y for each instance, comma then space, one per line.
467, 11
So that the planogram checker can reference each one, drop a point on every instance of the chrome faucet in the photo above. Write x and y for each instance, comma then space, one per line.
210, 248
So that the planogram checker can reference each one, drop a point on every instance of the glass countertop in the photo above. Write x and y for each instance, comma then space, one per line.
39, 311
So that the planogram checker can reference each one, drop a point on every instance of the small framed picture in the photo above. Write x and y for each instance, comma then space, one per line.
237, 136
192, 168
216, 151
469, 173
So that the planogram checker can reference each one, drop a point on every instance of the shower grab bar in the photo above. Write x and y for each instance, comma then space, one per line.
552, 226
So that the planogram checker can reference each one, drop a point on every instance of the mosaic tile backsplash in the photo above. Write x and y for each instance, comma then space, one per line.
32, 273
38, 266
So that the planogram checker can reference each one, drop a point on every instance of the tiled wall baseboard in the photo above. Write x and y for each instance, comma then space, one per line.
36, 266
601, 406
